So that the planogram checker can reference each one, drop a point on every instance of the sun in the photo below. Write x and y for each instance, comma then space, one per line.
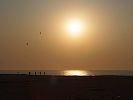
75, 27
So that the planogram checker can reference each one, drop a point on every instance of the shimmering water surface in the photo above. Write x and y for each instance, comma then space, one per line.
70, 72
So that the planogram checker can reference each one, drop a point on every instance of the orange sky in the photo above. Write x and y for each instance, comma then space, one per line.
106, 44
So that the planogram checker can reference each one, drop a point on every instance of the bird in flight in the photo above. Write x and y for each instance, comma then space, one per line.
27, 43
43, 35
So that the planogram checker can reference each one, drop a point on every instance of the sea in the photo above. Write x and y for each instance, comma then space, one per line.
73, 72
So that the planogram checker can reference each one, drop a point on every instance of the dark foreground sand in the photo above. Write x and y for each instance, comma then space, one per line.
24, 87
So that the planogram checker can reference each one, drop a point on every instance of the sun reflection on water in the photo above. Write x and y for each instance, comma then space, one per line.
77, 73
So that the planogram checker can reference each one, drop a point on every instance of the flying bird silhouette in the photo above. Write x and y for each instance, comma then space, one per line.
43, 35
27, 43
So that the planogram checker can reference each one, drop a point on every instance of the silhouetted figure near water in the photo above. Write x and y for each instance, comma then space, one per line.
29, 73
35, 73
40, 73
44, 73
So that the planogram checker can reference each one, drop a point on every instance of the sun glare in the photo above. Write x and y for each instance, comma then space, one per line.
75, 28
75, 73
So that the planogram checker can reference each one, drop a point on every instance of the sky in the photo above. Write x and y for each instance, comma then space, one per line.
107, 42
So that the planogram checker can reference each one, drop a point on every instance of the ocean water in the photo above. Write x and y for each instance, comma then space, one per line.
61, 72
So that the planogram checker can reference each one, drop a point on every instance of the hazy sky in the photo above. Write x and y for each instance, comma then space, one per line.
108, 43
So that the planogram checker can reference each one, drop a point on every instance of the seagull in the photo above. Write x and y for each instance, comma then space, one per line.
43, 35
27, 43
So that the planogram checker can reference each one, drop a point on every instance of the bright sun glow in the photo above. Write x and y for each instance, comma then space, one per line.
75, 73
75, 28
